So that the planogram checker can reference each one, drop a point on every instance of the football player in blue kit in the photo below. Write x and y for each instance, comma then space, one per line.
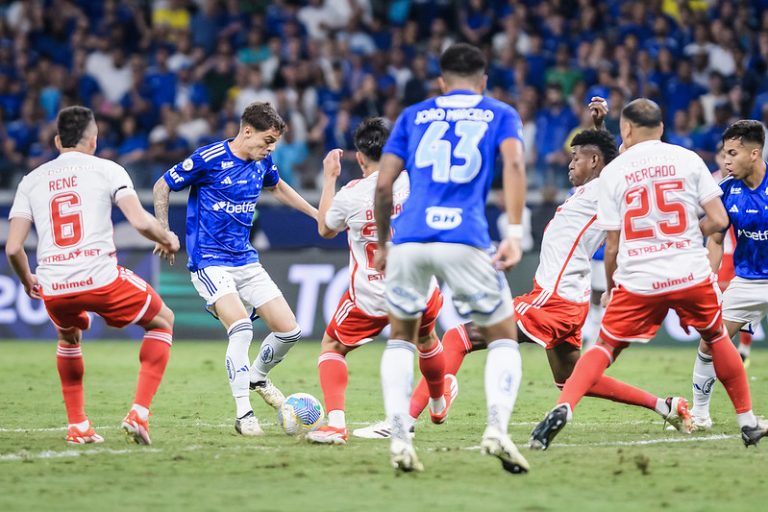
745, 301
225, 181
449, 144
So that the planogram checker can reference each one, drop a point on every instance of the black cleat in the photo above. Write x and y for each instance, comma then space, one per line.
548, 428
752, 435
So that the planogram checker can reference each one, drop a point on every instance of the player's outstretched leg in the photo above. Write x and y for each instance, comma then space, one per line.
730, 371
334, 376
69, 363
153, 355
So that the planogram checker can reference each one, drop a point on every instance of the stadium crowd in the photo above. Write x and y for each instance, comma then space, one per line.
167, 76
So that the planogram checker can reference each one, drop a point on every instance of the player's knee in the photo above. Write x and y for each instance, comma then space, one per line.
328, 344
69, 336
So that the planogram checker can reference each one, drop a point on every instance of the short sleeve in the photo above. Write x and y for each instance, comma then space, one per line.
708, 188
22, 207
189, 172
608, 212
120, 183
397, 144
337, 214
272, 175
510, 126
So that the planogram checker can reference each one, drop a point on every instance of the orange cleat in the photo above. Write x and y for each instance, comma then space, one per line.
451, 391
77, 436
136, 428
328, 435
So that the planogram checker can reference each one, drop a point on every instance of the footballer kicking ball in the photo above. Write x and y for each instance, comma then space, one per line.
299, 414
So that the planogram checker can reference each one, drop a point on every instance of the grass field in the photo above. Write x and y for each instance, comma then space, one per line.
610, 456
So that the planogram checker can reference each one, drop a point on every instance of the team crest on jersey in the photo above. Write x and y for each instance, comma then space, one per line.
187, 164
442, 218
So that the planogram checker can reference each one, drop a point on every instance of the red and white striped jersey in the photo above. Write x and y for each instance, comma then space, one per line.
570, 240
352, 209
69, 199
653, 194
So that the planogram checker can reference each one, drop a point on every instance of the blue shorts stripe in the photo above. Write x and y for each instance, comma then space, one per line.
209, 286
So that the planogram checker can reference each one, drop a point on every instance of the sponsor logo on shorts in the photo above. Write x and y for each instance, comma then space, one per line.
443, 218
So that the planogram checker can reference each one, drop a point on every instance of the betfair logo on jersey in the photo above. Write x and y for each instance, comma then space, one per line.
175, 176
760, 236
442, 218
226, 206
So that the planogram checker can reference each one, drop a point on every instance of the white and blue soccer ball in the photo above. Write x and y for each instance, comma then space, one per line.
300, 413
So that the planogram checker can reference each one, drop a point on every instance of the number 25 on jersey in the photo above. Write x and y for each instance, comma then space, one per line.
641, 219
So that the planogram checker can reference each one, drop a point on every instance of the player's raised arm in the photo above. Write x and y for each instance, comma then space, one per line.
390, 169
331, 172
598, 108
17, 257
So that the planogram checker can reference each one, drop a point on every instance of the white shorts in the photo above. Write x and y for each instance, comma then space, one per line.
598, 275
479, 291
250, 282
746, 301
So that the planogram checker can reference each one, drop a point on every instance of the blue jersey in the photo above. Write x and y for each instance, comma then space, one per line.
222, 202
748, 212
449, 145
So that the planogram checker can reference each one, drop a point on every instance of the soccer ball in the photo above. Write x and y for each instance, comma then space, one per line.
299, 414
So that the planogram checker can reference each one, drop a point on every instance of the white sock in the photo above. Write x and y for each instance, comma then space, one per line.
437, 405
503, 371
744, 350
82, 426
591, 328
746, 419
142, 411
396, 381
273, 349
337, 419
662, 409
240, 335
703, 381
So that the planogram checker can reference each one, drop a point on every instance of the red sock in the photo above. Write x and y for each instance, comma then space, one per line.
730, 371
69, 362
154, 354
456, 345
612, 389
432, 366
589, 368
334, 377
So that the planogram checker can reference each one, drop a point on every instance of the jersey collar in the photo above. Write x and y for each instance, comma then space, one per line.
231, 154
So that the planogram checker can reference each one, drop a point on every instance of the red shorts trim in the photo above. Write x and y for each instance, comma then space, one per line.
127, 300
631, 317
549, 319
353, 327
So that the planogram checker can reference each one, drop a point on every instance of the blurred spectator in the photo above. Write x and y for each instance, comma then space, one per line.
553, 123
680, 132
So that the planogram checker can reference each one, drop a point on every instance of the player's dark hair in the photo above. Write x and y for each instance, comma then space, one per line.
746, 130
462, 59
262, 117
370, 137
600, 139
71, 124
643, 112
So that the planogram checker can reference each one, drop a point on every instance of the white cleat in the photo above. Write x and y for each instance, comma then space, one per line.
248, 426
701, 422
403, 457
380, 430
679, 416
269, 392
501, 446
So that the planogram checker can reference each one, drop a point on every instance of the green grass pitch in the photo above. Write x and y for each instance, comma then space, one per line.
612, 457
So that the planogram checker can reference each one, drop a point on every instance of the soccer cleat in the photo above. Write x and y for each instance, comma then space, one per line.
679, 416
451, 391
752, 435
268, 392
403, 456
77, 436
701, 422
136, 428
380, 430
501, 446
248, 425
745, 359
328, 435
548, 428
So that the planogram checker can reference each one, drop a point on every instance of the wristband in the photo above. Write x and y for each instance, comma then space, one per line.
515, 231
